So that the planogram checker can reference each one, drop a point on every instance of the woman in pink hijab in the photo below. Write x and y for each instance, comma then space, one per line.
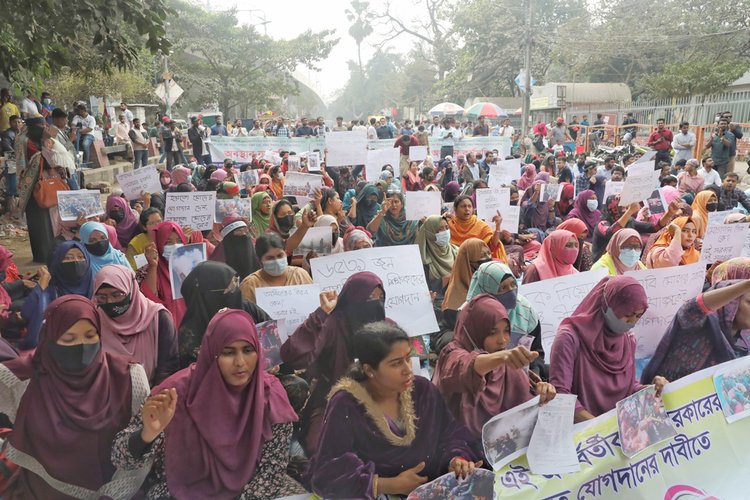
593, 355
556, 258
528, 177
477, 374
218, 429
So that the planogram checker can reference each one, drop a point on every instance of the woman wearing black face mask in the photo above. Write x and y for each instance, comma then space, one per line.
134, 326
126, 223
69, 274
210, 287
73, 396
236, 248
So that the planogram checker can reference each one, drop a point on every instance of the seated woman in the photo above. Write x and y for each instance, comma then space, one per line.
132, 325
412, 181
584, 260
386, 431
157, 285
675, 246
330, 204
438, 255
282, 223
322, 343
262, 205
364, 206
537, 214
477, 374
69, 274
148, 220
390, 226
593, 355
704, 202
70, 395
357, 238
209, 288
471, 254
126, 223
623, 253
737, 268
274, 270
236, 247
465, 225
707, 330
586, 208
95, 238
556, 257
218, 429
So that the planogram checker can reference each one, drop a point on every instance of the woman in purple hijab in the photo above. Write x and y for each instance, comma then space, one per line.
593, 355
218, 429
586, 209
322, 345
126, 223
536, 214
386, 432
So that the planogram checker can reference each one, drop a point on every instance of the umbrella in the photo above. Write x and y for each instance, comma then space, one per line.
446, 108
486, 109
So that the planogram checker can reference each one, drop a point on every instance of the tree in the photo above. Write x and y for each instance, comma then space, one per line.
699, 77
361, 19
40, 37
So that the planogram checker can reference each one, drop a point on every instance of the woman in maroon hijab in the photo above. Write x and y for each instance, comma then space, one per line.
476, 373
593, 355
218, 429
157, 285
77, 399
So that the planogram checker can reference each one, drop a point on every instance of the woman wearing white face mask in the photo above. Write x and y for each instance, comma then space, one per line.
438, 255
623, 253
274, 269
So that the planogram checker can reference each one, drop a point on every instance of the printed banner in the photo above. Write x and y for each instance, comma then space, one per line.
242, 149
477, 145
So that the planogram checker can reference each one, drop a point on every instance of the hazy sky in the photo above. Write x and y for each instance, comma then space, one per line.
288, 18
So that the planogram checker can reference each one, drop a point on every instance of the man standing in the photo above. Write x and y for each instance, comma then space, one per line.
661, 140
736, 130
404, 142
60, 131
360, 126
257, 131
7, 109
731, 195
389, 123
30, 106
482, 128
281, 130
372, 132
629, 120
488, 161
721, 143
128, 114
139, 139
47, 107
407, 129
173, 143
384, 131
197, 135
219, 128
434, 129
558, 134
683, 143
340, 127
321, 128
448, 137
573, 128
8, 138
506, 130
85, 123
304, 130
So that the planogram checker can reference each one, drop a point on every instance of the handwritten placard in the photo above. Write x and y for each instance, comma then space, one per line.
420, 204
71, 204
292, 304
141, 180
555, 299
490, 201
612, 187
504, 173
236, 207
195, 210
346, 148
407, 299
723, 242
639, 184
377, 158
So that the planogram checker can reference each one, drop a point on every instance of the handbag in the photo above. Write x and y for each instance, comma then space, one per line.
45, 191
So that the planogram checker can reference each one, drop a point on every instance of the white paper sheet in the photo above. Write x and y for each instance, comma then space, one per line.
552, 449
420, 204
723, 242
346, 148
641, 181
506, 437
195, 210
504, 173
417, 153
377, 158
141, 180
292, 304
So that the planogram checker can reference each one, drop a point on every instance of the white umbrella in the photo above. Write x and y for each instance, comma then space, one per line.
446, 108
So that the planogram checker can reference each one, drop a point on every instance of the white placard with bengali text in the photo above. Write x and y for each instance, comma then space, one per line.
293, 304
407, 298
417, 153
641, 181
420, 204
140, 180
346, 148
722, 242
492, 200
195, 210
612, 187
504, 173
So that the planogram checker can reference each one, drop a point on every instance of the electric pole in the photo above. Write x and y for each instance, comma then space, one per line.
527, 73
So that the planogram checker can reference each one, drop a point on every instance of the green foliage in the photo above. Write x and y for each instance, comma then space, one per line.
681, 79
40, 37
361, 18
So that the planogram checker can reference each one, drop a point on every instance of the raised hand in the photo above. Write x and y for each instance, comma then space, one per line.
157, 412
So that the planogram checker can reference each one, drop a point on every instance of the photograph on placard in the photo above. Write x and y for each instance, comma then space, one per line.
182, 260
313, 162
478, 486
506, 436
642, 421
656, 203
294, 163
72, 204
248, 179
732, 384
318, 240
299, 184
236, 207
270, 343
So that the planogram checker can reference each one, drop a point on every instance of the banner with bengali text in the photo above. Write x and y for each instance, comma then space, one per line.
242, 149
477, 145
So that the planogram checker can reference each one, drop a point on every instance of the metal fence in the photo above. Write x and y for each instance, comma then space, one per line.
695, 109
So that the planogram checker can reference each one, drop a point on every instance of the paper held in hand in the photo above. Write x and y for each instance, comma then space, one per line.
195, 210
141, 180
420, 204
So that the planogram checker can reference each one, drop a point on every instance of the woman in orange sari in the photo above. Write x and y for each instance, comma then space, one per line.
465, 225
277, 182
675, 246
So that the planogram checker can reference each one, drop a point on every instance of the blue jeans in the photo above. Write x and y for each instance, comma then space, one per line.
140, 158
73, 182
11, 184
86, 142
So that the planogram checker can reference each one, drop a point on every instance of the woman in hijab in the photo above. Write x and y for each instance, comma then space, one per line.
71, 395
126, 223
390, 226
236, 247
705, 202
386, 431
180, 175
556, 257
565, 205
675, 246
227, 191
322, 344
593, 355
262, 204
218, 429
527, 179
357, 238
165, 179
584, 260
478, 373
586, 209
537, 214
471, 254
133, 326
95, 237
69, 274
451, 191
623, 253
277, 181
365, 206
148, 220
209, 288
157, 285
709, 329
438, 255
737, 268
330, 204
465, 225
411, 180
282, 219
